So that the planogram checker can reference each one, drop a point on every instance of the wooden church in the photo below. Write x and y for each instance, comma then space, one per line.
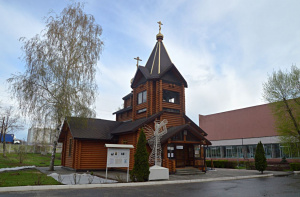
158, 93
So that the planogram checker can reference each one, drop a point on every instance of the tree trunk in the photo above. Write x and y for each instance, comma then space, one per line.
4, 145
51, 167
2, 129
291, 115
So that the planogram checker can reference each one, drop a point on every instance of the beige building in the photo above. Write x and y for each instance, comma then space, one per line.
39, 136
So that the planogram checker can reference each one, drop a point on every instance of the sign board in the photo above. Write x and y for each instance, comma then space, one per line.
117, 157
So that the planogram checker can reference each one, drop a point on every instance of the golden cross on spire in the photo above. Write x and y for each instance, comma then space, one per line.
137, 61
160, 24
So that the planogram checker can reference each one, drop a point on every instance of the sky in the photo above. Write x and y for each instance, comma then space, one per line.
225, 49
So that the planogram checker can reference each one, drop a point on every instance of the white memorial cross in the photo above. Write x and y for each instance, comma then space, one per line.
154, 140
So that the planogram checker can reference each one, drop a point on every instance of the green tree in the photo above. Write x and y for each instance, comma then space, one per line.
260, 158
282, 91
140, 170
60, 67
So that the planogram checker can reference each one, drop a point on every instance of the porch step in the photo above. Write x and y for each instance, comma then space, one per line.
188, 171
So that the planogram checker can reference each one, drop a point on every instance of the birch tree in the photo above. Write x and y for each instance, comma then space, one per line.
60, 67
282, 91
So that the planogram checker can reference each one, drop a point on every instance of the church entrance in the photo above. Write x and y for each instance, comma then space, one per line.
184, 155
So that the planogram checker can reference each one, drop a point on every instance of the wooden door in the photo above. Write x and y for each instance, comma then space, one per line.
189, 155
180, 156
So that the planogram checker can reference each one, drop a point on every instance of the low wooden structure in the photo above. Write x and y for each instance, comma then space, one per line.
158, 92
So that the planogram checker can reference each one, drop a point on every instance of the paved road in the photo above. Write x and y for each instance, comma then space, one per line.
272, 186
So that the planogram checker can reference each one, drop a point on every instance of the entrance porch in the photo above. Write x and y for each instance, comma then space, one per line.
185, 147
187, 155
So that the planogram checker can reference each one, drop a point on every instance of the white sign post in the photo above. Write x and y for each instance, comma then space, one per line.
118, 156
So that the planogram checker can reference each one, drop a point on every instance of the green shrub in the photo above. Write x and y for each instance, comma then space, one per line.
219, 163
295, 166
140, 171
260, 158
208, 163
250, 165
283, 160
222, 164
231, 164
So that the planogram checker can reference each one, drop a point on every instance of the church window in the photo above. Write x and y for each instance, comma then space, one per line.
178, 136
171, 96
142, 97
171, 151
141, 110
171, 110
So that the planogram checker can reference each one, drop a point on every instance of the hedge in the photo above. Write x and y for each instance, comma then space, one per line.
295, 166
222, 164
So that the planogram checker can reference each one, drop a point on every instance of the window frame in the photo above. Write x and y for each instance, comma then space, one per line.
141, 110
142, 97
169, 99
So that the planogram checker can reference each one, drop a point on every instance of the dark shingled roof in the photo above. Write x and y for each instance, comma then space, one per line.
123, 110
88, 128
194, 124
158, 65
127, 96
134, 126
173, 130
159, 60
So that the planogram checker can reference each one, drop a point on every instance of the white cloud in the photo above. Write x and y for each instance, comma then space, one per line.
224, 49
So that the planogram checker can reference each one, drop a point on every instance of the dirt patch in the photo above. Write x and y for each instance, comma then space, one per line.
13, 174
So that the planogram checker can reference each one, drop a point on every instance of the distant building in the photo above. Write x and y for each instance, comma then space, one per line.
9, 138
39, 136
235, 134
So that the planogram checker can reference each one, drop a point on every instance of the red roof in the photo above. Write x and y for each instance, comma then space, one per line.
248, 122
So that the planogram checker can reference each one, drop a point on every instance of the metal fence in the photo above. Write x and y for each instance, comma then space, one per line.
43, 149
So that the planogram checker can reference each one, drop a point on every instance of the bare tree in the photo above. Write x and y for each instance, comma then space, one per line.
9, 124
59, 80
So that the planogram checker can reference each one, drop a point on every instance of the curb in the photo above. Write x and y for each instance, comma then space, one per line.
88, 186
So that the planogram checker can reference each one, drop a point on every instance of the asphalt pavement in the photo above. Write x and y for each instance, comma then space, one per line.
254, 187
218, 174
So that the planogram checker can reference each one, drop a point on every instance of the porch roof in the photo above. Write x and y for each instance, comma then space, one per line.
173, 130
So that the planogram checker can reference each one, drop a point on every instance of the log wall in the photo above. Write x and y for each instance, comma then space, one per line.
93, 155
69, 158
124, 116
132, 140
174, 119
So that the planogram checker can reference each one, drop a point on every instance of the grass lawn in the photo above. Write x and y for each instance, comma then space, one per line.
30, 159
240, 167
25, 177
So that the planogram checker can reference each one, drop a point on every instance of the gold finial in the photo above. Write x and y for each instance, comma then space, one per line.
137, 61
159, 36
160, 24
